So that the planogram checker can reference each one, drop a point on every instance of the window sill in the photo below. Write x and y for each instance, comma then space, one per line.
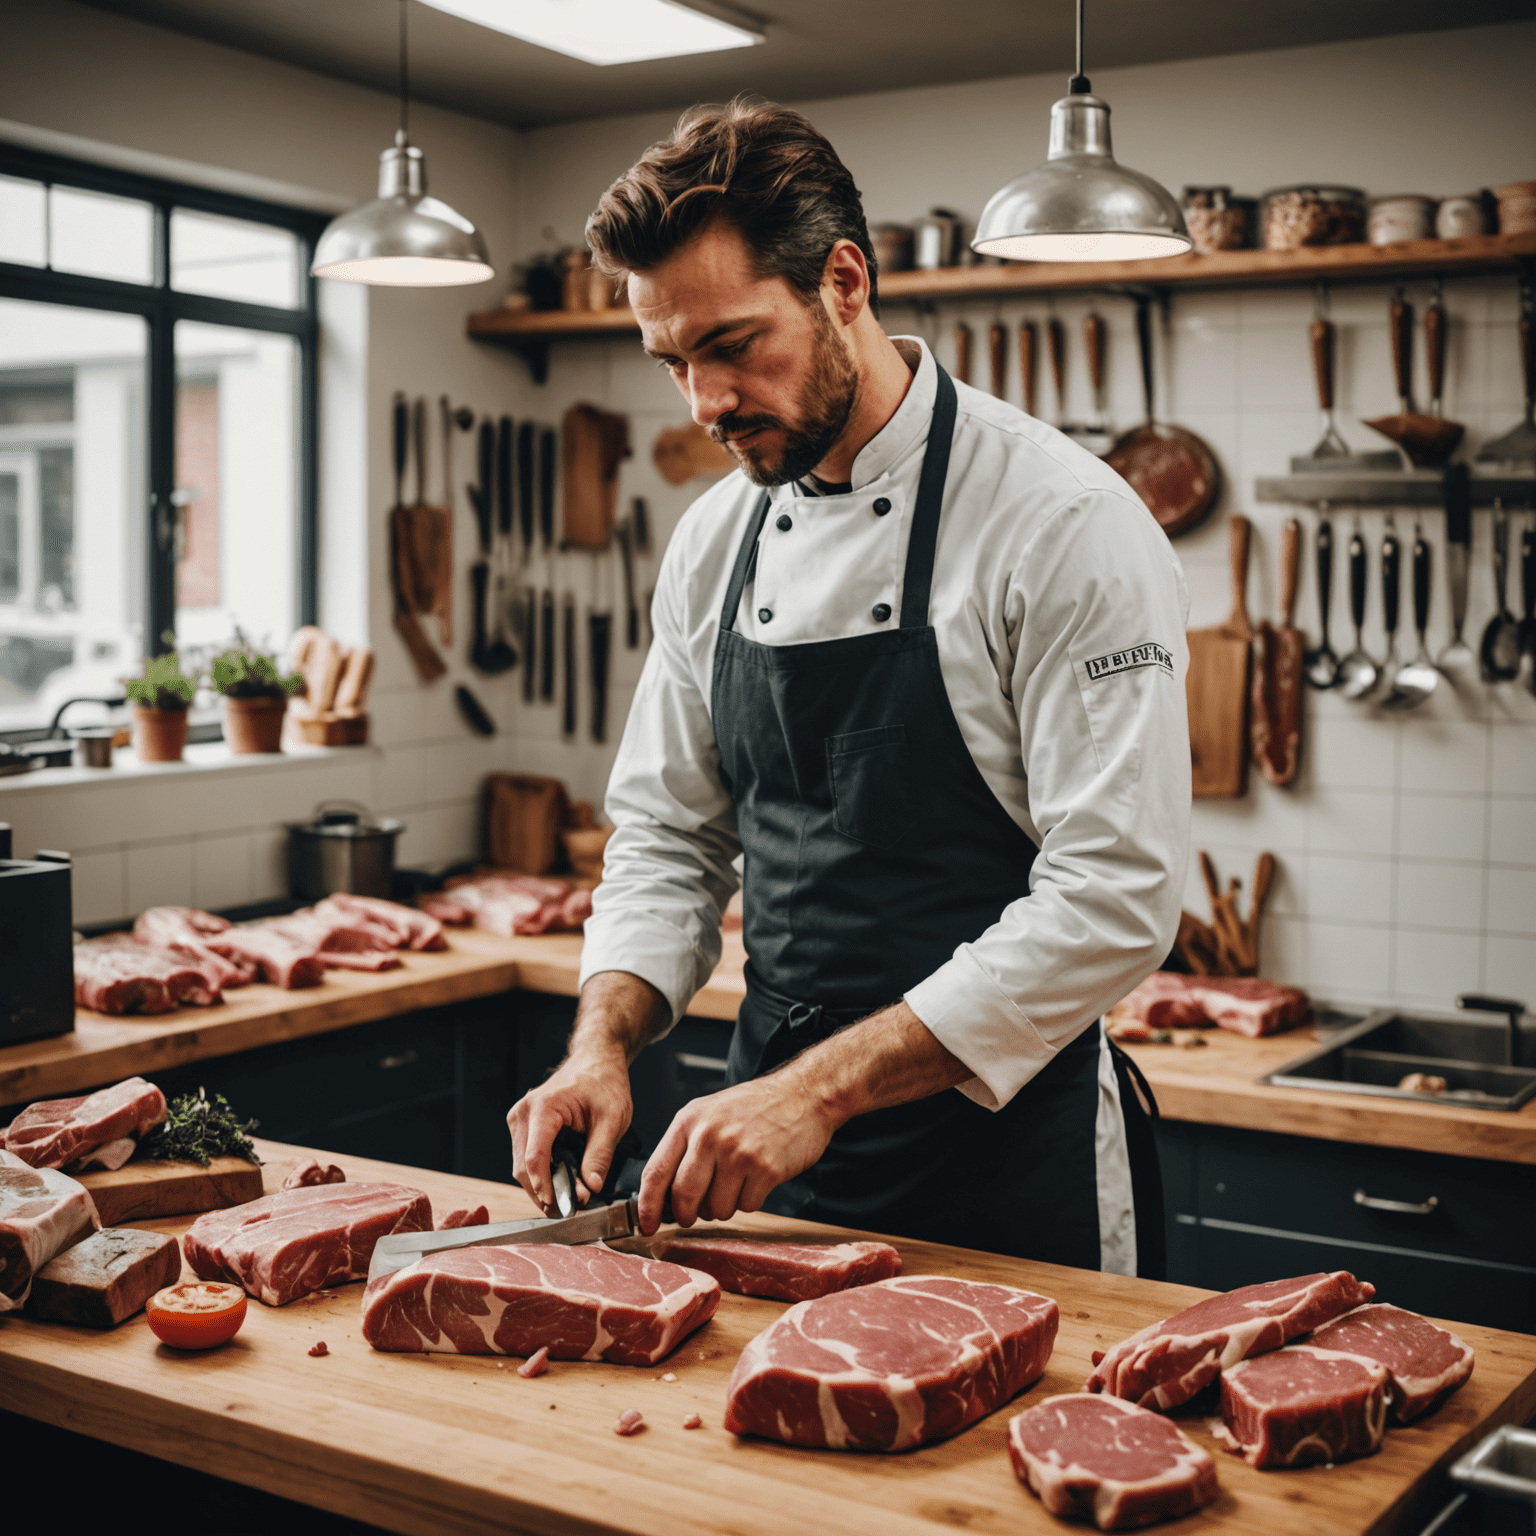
201, 758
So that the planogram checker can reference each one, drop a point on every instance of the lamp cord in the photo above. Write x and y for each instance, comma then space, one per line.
405, 122
1079, 86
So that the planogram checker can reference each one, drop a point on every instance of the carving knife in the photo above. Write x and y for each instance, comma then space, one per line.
548, 447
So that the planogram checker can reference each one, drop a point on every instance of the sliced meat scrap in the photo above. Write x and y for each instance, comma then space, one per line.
1167, 1363
306, 1175
1426, 1363
476, 1216
54, 1132
279, 959
1246, 1005
331, 933
42, 1212
1300, 1405
888, 1366
513, 904
412, 928
109, 1157
185, 931
286, 1245
1103, 1459
786, 1271
1162, 1001
586, 1303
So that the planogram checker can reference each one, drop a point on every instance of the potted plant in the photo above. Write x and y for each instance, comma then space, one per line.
161, 696
255, 696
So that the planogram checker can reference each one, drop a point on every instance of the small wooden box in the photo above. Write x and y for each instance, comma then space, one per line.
332, 730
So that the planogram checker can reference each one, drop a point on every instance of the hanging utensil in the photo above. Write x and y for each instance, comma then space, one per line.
506, 610
1277, 674
547, 451
568, 646
444, 607
1519, 443
1332, 453
473, 711
1056, 350
424, 657
1416, 681
1322, 663
528, 593
1526, 636
1096, 438
997, 357
1029, 348
625, 535
1500, 649
1457, 655
1428, 441
601, 637
1172, 471
1357, 672
963, 352
1391, 592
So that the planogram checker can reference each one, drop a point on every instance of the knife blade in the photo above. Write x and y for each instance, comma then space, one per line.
400, 1249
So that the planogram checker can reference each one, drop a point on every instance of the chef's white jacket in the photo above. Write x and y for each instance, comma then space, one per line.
1060, 609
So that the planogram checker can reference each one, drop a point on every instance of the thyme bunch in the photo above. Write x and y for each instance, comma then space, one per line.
198, 1127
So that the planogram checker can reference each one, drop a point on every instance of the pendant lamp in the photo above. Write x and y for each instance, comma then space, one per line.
1081, 205
404, 239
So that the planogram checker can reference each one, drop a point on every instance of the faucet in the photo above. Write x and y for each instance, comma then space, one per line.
1512, 1007
55, 728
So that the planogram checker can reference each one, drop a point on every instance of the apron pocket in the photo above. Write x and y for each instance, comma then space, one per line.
872, 794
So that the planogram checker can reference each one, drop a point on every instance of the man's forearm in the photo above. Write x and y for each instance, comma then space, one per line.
887, 1059
617, 1012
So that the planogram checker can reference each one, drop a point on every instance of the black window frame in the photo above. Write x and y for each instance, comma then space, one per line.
161, 306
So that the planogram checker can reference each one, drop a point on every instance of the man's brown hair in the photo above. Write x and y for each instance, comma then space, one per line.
762, 169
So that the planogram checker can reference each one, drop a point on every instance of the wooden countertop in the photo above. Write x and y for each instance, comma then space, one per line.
432, 1443
1212, 1086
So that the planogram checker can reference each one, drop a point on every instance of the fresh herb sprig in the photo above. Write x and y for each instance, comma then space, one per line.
198, 1127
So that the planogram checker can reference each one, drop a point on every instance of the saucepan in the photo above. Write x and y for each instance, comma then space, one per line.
342, 847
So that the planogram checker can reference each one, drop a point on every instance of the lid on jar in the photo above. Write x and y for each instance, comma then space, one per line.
347, 818
1207, 197
1322, 190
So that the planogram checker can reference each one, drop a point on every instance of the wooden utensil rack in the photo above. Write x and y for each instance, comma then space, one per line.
530, 333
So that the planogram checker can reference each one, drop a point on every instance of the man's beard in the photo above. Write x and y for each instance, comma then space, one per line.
826, 402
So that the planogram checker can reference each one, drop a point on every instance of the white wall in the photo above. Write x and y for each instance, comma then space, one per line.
1408, 847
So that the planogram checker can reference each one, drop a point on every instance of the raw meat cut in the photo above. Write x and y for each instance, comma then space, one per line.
1167, 1363
109, 1157
512, 904
408, 927
1246, 1005
286, 1245
105, 1278
307, 1175
1109, 1461
54, 1132
42, 1212
185, 931
1300, 1405
1426, 1363
278, 959
888, 1366
786, 1271
118, 974
586, 1303
478, 1216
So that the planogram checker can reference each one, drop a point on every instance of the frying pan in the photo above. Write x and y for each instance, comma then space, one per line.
1171, 469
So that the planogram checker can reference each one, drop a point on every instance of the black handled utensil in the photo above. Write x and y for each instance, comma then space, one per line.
1501, 639
473, 712
1457, 485
1322, 664
625, 536
546, 478
1391, 591
600, 626
1527, 631
1416, 681
1357, 672
568, 639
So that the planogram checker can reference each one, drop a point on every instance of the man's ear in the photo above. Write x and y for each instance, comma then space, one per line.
845, 282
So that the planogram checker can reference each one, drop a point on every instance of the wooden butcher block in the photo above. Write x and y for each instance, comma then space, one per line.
463, 1444
141, 1191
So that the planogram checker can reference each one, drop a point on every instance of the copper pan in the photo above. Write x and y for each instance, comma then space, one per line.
1170, 468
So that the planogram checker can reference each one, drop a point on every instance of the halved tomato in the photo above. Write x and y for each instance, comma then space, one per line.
197, 1314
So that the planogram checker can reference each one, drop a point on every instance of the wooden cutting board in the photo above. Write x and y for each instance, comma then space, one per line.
1278, 662
142, 1191
1217, 688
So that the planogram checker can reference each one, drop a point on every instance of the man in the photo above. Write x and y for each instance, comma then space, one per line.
921, 663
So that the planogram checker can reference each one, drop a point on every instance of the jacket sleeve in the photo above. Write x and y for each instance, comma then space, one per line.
667, 871
1095, 613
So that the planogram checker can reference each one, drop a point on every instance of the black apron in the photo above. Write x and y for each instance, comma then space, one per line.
873, 847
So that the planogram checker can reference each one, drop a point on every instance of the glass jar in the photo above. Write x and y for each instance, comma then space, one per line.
1405, 216
1457, 218
1313, 215
1216, 220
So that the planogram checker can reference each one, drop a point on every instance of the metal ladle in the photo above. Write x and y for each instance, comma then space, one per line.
1501, 639
1357, 672
1322, 665
1415, 682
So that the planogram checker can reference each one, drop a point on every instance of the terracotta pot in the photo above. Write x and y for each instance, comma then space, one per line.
159, 734
254, 725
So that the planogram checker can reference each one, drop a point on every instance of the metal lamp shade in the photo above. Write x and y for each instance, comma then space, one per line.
1080, 205
404, 239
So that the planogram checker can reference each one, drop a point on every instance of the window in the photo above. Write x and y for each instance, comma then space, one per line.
157, 425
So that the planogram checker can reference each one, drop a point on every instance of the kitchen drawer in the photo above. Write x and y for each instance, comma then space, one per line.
1458, 1290
1178, 1154
1298, 1184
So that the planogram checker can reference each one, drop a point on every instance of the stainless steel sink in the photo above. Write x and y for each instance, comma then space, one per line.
1470, 1051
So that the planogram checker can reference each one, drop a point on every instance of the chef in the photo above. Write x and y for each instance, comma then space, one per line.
919, 673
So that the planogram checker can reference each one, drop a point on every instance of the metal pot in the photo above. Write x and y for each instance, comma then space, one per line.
343, 847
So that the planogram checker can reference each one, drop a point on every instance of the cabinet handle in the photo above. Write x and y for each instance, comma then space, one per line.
1398, 1207
389, 1063
694, 1063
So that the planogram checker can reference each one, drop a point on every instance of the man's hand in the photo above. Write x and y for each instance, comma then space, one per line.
725, 1152
589, 1092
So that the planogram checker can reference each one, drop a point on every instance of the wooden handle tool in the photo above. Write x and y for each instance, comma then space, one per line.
963, 352
997, 356
1029, 349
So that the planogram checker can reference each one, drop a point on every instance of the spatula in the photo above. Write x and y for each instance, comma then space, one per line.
1278, 661
1332, 453
1217, 688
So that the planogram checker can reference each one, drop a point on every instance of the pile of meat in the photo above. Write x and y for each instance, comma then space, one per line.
509, 903
181, 955
1244, 1004
98, 1130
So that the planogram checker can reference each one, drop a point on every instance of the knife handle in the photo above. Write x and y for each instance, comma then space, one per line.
997, 357
1358, 576
1434, 347
1401, 314
1029, 347
548, 448
568, 625
1324, 573
1422, 572
1322, 361
1290, 570
504, 477
530, 639
963, 352
547, 646
1391, 585
399, 431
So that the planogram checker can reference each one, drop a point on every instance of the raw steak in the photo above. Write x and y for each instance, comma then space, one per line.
54, 1132
1246, 1005
1168, 1362
286, 1245
42, 1212
108, 1157
888, 1366
118, 974
106, 1278
1301, 1404
408, 927
1162, 1001
786, 1271
306, 1175
278, 959
184, 931
1109, 1461
512, 904
1426, 1363
586, 1303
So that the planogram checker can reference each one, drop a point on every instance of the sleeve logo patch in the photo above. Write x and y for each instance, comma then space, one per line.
1148, 654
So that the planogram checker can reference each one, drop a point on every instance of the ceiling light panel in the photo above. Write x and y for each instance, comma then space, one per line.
605, 31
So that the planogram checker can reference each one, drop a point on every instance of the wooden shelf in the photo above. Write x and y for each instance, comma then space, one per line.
530, 332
